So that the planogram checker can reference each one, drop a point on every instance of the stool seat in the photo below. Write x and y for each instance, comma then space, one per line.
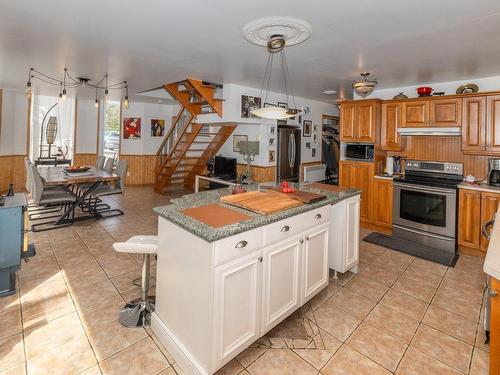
141, 244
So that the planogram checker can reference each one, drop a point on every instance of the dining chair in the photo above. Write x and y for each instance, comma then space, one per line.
99, 164
108, 165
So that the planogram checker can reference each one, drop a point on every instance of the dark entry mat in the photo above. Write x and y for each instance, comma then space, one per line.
412, 248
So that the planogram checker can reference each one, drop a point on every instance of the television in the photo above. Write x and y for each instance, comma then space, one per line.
225, 168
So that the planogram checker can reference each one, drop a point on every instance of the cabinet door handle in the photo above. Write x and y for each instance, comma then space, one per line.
301, 240
261, 259
318, 216
241, 244
286, 228
492, 292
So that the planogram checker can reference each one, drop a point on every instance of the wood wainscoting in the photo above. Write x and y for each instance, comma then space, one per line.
309, 164
84, 159
13, 171
259, 174
141, 169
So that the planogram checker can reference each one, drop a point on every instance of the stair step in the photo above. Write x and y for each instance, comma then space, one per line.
207, 134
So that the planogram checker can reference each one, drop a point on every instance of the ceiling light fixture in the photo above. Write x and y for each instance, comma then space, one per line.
364, 87
68, 82
276, 46
329, 92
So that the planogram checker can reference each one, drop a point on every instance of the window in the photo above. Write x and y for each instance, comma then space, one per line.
111, 129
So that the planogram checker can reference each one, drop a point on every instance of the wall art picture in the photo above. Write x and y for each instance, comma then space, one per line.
315, 138
306, 130
315, 128
271, 156
132, 128
308, 145
236, 140
282, 105
281, 122
271, 141
248, 103
313, 152
157, 127
269, 105
272, 129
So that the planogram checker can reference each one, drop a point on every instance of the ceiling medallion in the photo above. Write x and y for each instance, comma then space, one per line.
364, 87
293, 30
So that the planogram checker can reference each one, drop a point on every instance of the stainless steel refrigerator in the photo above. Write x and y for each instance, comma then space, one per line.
288, 154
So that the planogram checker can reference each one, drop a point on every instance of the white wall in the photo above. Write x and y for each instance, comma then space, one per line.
13, 131
86, 130
485, 84
259, 129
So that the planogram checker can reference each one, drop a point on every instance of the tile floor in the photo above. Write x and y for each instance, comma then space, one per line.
398, 315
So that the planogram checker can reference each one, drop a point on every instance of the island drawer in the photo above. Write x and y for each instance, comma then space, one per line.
294, 225
235, 246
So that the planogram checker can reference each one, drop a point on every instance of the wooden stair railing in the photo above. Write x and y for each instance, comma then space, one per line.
175, 161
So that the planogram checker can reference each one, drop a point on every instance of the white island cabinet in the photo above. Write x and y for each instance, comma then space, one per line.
214, 299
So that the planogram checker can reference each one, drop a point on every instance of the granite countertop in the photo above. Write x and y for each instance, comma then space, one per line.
172, 212
480, 187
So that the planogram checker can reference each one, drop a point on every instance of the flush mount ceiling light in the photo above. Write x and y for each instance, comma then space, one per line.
364, 87
329, 92
277, 33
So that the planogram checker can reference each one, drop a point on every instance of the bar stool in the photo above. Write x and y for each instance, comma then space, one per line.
137, 313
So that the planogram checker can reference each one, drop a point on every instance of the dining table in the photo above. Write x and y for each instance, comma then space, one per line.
70, 181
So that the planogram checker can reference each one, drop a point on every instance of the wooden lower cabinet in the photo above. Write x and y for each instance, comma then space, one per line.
382, 202
359, 175
475, 208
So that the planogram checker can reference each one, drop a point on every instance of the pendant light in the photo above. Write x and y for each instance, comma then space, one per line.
96, 102
29, 88
126, 103
276, 47
364, 87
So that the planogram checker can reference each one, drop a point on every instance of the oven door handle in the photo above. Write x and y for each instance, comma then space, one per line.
425, 189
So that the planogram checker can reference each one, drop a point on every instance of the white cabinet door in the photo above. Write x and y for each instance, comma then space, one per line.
281, 272
237, 305
315, 274
351, 244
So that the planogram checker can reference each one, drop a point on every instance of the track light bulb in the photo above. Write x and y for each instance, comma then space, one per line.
29, 90
64, 96
106, 95
96, 103
126, 103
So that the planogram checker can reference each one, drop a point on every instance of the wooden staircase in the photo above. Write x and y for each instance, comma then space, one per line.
188, 145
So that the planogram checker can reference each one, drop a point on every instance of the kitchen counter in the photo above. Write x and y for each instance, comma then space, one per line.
173, 212
492, 261
480, 187
381, 177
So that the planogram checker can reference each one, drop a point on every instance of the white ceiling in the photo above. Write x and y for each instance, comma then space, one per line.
150, 42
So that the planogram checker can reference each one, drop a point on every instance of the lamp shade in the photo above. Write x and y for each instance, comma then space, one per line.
272, 113
51, 131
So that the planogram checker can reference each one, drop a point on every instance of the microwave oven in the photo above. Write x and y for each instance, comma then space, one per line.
358, 151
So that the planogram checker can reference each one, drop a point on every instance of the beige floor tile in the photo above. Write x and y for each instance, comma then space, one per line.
281, 361
414, 288
451, 323
405, 304
11, 352
50, 310
52, 334
481, 336
393, 322
120, 267
429, 279
480, 362
415, 362
141, 358
92, 294
160, 346
19, 369
367, 287
427, 266
10, 324
10, 303
377, 345
347, 361
447, 349
249, 355
124, 282
168, 371
324, 295
232, 368
94, 370
111, 338
85, 277
353, 303
319, 357
75, 356
457, 305
336, 321
380, 275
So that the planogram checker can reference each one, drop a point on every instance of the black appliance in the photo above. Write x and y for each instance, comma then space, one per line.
225, 168
425, 203
358, 151
288, 154
494, 172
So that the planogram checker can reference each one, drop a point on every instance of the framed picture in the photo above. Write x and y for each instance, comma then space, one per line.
315, 138
271, 156
271, 141
281, 122
306, 130
248, 103
313, 152
272, 129
132, 128
236, 140
315, 128
282, 105
269, 105
308, 145
157, 127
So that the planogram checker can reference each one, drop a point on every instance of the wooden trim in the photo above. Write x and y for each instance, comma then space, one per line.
75, 127
471, 251
450, 96
376, 228
1, 104
28, 126
308, 164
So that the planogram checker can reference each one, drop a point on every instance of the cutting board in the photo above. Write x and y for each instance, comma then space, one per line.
328, 187
305, 197
261, 202
214, 215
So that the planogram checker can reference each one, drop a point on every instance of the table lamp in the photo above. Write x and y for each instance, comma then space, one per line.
249, 149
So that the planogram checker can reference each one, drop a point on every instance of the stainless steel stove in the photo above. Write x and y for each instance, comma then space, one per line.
425, 203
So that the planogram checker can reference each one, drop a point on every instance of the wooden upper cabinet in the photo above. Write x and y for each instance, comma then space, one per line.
366, 120
493, 123
347, 122
390, 140
474, 124
445, 112
489, 206
415, 114
469, 214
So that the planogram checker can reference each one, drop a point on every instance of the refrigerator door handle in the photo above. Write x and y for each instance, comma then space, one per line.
290, 151
293, 150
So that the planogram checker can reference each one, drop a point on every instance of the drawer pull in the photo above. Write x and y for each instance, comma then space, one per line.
286, 228
318, 216
241, 244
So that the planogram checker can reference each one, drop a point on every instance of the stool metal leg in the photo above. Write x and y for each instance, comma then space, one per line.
139, 314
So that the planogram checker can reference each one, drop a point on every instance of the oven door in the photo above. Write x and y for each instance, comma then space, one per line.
425, 208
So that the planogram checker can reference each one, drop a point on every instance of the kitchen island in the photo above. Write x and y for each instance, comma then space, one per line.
220, 289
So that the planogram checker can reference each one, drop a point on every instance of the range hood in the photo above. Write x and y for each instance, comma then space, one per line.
431, 130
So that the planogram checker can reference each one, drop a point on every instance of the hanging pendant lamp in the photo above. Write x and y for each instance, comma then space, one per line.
276, 47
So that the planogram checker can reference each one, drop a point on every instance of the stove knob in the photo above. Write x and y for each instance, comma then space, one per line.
447, 167
415, 165
456, 168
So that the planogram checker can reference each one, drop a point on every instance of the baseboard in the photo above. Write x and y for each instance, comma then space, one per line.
376, 228
182, 356
471, 251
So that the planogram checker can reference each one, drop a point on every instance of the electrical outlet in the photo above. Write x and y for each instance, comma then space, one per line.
128, 174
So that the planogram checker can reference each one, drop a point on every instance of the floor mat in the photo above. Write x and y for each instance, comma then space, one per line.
413, 248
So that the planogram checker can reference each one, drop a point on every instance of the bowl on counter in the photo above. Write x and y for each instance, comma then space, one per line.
424, 91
